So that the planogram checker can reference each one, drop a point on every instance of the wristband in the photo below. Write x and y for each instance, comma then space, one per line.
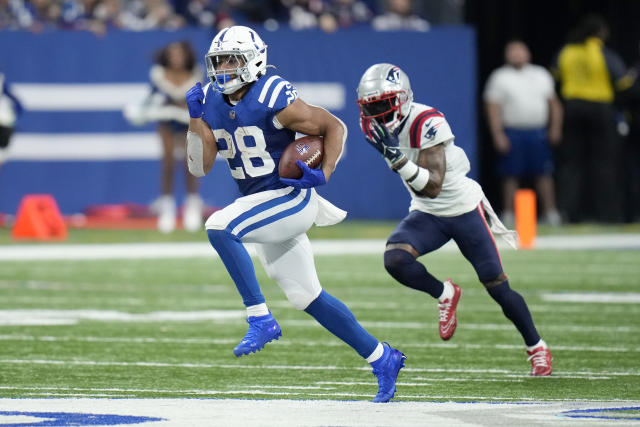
408, 170
414, 175
420, 180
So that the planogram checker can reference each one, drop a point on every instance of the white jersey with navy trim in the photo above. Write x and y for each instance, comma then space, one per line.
426, 127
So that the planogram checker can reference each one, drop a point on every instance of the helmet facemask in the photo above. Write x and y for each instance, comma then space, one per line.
228, 71
386, 109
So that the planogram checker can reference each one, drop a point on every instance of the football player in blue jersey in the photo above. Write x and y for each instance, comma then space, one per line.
249, 116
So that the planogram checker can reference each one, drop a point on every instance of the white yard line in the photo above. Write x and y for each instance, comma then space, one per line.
94, 391
286, 413
297, 342
70, 317
27, 252
284, 367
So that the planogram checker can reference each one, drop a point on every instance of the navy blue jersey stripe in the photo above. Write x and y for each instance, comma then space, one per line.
418, 123
263, 207
266, 221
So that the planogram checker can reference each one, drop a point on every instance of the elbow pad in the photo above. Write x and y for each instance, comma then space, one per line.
195, 157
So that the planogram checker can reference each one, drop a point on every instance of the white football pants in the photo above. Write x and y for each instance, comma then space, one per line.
277, 221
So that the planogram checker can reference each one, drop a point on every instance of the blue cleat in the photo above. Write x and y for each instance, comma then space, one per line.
262, 329
386, 369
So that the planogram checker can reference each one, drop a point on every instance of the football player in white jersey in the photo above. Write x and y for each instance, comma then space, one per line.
249, 115
417, 143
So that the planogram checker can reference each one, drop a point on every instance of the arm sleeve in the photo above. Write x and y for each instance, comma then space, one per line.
550, 86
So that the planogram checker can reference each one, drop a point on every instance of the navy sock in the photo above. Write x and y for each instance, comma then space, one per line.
516, 310
408, 271
338, 319
239, 265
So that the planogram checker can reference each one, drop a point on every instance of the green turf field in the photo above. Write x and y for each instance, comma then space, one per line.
350, 229
120, 346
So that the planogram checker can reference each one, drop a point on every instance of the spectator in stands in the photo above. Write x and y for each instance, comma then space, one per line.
143, 15
525, 118
10, 109
80, 15
343, 14
399, 15
38, 15
303, 14
173, 74
200, 13
6, 15
590, 74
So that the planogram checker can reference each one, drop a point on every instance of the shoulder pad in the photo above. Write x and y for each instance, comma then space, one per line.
416, 127
277, 93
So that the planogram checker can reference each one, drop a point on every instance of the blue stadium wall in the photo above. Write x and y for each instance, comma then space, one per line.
440, 63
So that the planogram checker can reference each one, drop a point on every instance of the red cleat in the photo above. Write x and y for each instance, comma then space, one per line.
448, 318
540, 358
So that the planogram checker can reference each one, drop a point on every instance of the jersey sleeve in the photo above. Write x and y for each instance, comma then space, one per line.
548, 84
493, 90
428, 129
277, 93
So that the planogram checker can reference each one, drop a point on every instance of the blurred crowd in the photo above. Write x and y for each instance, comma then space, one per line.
99, 16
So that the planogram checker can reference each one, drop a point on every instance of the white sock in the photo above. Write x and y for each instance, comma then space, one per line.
257, 310
377, 353
538, 344
447, 292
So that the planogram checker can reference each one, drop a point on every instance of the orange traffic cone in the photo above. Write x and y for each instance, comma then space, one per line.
39, 218
526, 218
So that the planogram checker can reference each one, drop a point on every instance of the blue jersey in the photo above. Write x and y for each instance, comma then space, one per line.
246, 134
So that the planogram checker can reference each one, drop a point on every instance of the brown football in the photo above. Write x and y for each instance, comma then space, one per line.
309, 149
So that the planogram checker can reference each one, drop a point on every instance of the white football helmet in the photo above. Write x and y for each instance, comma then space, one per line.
384, 94
237, 57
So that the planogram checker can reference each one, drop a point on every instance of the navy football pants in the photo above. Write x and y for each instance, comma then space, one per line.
470, 231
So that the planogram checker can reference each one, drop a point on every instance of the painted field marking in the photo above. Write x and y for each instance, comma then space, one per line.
346, 412
90, 392
282, 367
295, 342
320, 247
70, 317
595, 297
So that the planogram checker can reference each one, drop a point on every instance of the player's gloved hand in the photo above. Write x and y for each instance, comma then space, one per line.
195, 96
310, 177
384, 141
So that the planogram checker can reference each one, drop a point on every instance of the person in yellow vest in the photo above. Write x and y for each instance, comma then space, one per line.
589, 75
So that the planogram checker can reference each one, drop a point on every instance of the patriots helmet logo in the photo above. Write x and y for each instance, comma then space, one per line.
393, 75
